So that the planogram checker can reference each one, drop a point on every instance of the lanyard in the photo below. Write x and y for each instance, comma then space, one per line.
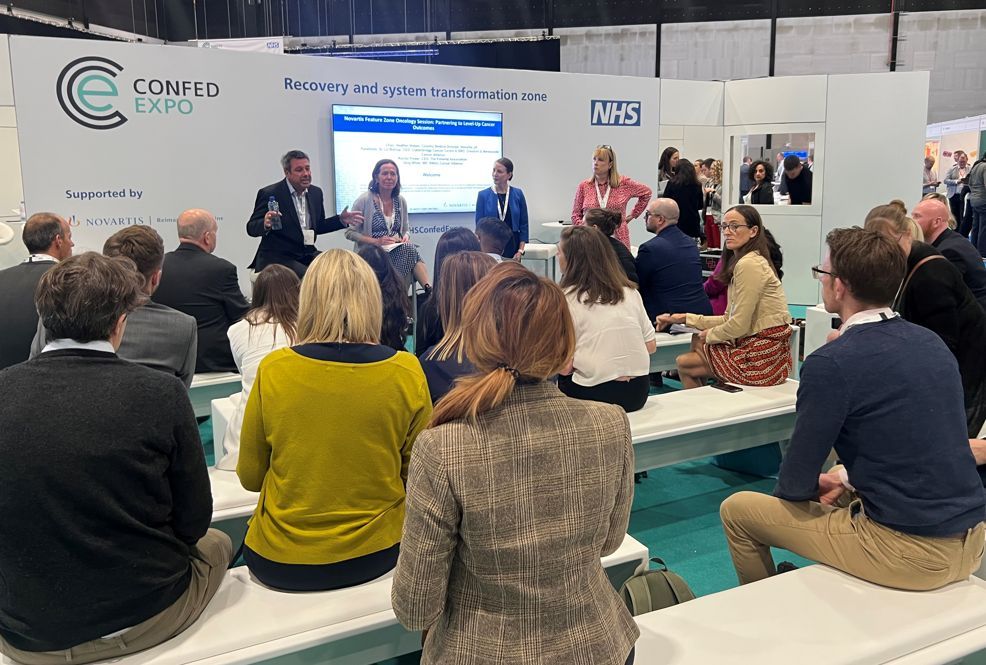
602, 200
883, 314
502, 212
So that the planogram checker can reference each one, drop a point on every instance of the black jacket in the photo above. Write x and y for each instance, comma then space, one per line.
936, 298
287, 244
965, 257
101, 505
626, 259
20, 316
763, 195
205, 287
691, 201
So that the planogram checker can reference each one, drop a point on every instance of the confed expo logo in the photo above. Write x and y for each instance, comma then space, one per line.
86, 90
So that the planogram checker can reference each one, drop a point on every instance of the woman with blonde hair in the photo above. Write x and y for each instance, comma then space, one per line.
934, 295
444, 362
749, 344
614, 337
608, 189
492, 505
270, 324
330, 468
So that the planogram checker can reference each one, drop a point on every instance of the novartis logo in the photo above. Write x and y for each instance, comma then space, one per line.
87, 92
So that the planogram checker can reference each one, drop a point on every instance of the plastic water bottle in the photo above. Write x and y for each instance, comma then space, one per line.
274, 206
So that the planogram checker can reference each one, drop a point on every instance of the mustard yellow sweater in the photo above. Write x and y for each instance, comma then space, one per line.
327, 444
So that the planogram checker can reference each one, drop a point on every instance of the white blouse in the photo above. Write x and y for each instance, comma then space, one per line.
610, 340
250, 344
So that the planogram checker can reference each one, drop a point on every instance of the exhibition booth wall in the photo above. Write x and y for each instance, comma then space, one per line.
113, 134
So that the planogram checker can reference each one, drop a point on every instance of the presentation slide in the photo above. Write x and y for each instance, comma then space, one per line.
444, 157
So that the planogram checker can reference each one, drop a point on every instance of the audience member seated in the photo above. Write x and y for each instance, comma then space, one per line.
396, 304
932, 215
934, 296
428, 328
686, 191
907, 507
203, 286
718, 292
514, 493
606, 221
48, 238
327, 438
762, 190
493, 234
269, 325
446, 361
748, 345
614, 337
796, 181
105, 544
668, 265
157, 336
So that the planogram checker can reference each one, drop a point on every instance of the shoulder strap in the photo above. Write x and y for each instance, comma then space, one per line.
907, 280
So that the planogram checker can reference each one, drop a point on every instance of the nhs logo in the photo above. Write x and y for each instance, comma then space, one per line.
614, 112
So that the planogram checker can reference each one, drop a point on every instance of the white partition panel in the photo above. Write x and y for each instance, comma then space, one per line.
875, 143
691, 102
775, 100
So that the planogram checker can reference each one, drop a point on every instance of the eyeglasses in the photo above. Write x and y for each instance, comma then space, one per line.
648, 213
817, 272
604, 147
732, 228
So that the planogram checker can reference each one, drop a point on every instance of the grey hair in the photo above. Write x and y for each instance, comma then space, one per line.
289, 155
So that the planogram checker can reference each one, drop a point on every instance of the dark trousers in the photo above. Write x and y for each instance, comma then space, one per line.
321, 577
962, 226
630, 657
979, 228
631, 395
512, 245
299, 265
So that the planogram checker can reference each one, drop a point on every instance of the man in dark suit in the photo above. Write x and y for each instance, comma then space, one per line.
48, 238
288, 237
156, 336
203, 286
669, 266
932, 216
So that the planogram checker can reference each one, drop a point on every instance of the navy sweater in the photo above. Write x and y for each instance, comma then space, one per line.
888, 397
104, 493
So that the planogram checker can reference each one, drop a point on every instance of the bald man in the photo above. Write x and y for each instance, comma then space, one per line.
669, 266
48, 238
932, 216
204, 286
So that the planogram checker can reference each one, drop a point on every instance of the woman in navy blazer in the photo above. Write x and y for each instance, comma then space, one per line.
507, 204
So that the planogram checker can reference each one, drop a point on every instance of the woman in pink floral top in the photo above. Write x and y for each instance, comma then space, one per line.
608, 189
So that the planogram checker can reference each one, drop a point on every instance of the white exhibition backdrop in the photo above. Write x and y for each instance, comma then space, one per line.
217, 156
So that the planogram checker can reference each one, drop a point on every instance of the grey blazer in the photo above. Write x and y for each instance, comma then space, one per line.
156, 336
506, 522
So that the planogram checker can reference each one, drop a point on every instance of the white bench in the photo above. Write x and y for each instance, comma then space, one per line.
222, 411
249, 623
209, 386
542, 252
817, 615
675, 427
669, 347
691, 424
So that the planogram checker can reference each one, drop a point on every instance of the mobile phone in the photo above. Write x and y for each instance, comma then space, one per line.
726, 387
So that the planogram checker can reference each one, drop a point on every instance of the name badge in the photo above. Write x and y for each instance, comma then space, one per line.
309, 236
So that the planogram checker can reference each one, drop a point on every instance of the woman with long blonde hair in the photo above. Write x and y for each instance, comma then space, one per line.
510, 478
608, 189
330, 468
444, 362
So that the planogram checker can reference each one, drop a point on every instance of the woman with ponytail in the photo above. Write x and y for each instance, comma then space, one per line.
510, 478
